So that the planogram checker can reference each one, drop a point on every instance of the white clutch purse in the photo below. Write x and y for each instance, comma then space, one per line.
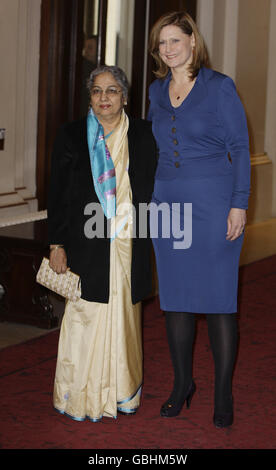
67, 285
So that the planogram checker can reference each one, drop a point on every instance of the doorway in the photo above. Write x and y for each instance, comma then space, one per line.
78, 35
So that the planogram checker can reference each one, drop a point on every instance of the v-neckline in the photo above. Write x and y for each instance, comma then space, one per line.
185, 99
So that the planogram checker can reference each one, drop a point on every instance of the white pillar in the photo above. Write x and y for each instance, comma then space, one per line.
205, 22
230, 38
270, 120
19, 49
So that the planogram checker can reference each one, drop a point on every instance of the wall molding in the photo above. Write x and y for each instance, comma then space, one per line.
260, 159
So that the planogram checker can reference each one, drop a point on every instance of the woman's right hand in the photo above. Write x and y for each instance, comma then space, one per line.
58, 259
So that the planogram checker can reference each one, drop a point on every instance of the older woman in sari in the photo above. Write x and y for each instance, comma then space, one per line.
105, 161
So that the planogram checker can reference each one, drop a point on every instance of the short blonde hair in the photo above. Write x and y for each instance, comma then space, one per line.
184, 21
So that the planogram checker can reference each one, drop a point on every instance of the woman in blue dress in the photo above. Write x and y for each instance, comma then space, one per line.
203, 182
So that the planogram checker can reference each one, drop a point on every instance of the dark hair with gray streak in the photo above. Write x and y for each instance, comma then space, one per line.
117, 73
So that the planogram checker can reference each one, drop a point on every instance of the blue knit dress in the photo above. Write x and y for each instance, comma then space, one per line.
195, 187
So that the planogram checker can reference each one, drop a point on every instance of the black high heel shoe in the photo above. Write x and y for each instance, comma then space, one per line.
170, 409
224, 420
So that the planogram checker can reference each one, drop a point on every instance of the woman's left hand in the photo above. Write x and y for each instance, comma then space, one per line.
235, 223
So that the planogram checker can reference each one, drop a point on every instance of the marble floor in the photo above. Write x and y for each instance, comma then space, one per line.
15, 333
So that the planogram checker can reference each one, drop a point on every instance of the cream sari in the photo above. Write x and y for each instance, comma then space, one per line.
99, 364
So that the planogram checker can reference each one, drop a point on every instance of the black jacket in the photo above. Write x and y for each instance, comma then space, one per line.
72, 188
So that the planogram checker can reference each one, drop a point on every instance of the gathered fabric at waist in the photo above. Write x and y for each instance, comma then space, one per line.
193, 166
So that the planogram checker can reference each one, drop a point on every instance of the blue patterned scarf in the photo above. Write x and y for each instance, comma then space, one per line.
102, 167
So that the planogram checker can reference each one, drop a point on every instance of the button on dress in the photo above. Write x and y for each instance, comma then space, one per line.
203, 171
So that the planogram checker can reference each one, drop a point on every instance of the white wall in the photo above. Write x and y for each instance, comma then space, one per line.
241, 40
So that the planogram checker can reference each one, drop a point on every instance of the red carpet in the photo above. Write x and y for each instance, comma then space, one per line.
28, 421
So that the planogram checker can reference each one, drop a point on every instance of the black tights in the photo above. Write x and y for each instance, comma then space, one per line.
223, 335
